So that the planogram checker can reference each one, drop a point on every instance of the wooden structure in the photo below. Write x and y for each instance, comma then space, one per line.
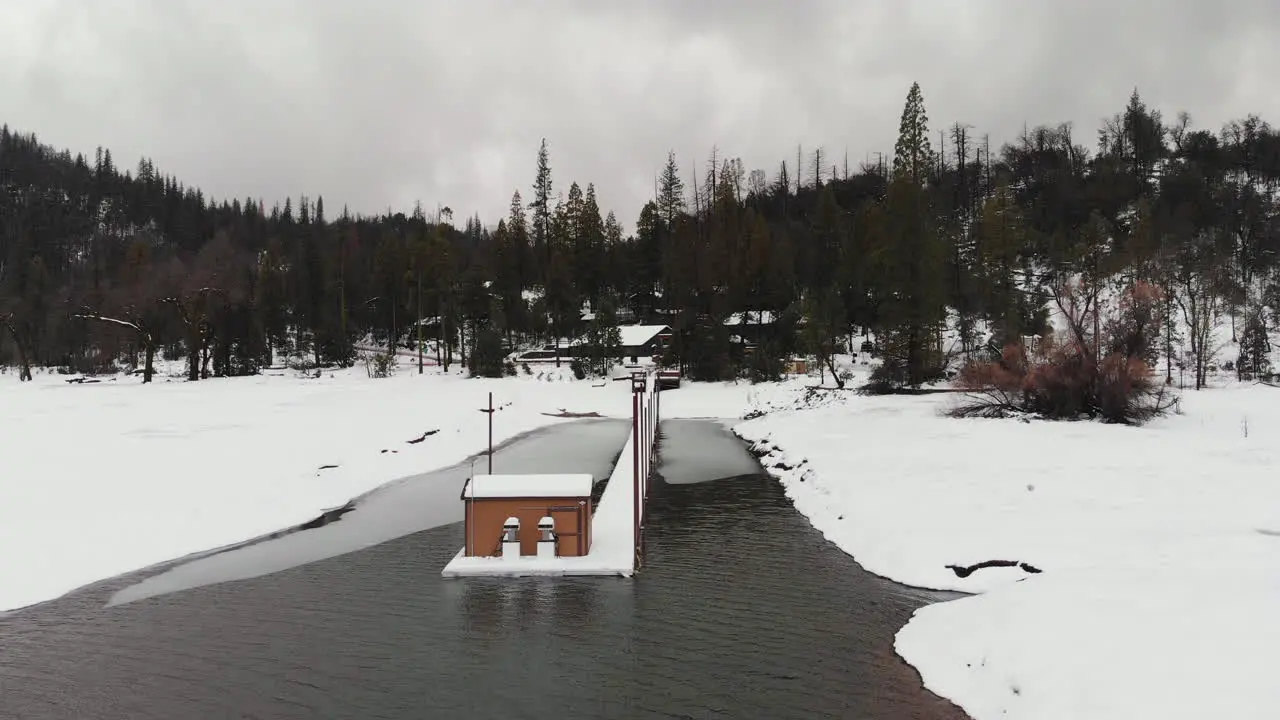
637, 341
491, 500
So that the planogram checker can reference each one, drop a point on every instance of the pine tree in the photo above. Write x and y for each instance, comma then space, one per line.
518, 227
912, 155
911, 258
1002, 238
604, 340
1255, 348
562, 306
541, 207
825, 312
589, 249
828, 234
671, 202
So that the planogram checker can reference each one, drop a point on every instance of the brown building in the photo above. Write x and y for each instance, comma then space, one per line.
491, 499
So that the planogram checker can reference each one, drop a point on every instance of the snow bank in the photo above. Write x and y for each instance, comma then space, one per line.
1106, 643
1160, 547
106, 478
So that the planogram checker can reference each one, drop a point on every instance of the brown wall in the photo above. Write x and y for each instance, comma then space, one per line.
486, 515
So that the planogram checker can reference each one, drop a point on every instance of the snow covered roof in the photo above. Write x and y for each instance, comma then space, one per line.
762, 317
518, 486
636, 335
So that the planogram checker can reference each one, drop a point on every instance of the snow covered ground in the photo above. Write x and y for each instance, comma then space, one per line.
1159, 546
101, 479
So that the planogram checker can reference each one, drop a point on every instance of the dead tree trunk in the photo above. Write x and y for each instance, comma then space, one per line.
19, 342
206, 352
193, 310
831, 365
149, 358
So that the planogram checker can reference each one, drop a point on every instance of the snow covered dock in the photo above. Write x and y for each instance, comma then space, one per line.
614, 527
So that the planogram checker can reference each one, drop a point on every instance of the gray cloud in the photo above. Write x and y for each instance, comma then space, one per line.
383, 102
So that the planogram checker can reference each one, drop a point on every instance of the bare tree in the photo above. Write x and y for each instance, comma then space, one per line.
1201, 303
1077, 303
799, 168
15, 317
19, 341
757, 184
201, 291
737, 173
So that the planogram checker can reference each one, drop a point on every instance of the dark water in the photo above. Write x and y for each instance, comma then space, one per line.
741, 611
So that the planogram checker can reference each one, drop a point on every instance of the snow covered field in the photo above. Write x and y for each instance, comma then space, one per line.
101, 479
1159, 546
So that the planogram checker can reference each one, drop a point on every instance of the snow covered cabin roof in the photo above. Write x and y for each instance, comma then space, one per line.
520, 486
637, 335
753, 317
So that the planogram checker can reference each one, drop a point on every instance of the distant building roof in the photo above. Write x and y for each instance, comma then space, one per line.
518, 486
761, 317
637, 335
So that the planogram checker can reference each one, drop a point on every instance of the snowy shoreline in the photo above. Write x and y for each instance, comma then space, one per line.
1159, 574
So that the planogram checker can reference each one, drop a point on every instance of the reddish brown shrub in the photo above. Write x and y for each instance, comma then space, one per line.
1062, 380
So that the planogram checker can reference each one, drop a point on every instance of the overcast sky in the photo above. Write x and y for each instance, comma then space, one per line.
377, 103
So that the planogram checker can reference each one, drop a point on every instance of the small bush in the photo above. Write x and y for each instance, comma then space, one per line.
525, 367
509, 368
579, 368
765, 365
379, 365
486, 356
300, 363
888, 377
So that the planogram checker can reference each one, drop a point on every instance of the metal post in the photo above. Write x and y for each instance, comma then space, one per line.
419, 299
644, 451
650, 427
635, 448
490, 411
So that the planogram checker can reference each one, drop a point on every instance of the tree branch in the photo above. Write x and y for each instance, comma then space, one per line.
86, 315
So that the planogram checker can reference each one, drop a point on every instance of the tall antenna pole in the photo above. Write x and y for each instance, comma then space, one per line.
418, 297
489, 410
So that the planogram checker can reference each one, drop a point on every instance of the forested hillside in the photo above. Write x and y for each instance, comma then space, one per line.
950, 243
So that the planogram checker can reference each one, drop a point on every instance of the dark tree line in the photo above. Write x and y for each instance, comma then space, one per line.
946, 238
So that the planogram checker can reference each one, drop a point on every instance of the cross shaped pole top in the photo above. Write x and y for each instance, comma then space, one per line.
489, 411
